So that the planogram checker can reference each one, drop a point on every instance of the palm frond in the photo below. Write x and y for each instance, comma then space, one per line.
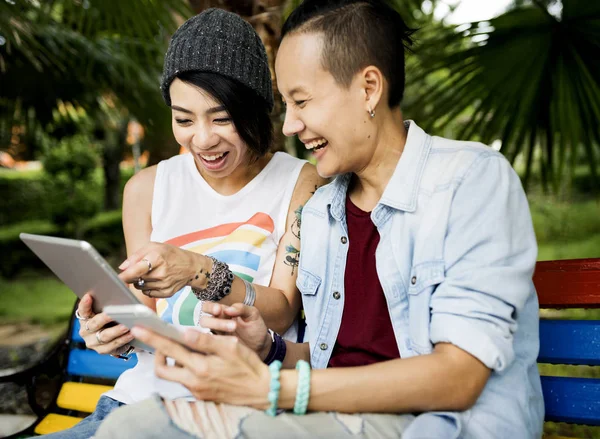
525, 77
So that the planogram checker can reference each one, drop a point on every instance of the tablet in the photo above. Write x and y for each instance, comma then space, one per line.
82, 269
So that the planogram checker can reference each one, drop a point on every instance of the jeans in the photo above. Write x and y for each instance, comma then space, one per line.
87, 428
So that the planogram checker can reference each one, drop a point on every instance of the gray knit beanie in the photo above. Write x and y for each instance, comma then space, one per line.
220, 42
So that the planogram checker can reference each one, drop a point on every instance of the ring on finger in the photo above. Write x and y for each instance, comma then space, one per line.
98, 333
147, 293
139, 284
87, 328
149, 264
80, 317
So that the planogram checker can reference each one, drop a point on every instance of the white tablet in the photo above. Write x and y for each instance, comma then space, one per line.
82, 269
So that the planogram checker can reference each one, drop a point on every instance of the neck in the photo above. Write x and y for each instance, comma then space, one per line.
240, 177
369, 183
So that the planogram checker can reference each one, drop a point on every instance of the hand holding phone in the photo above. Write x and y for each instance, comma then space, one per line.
141, 315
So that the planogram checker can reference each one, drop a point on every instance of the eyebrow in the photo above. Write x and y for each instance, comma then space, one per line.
212, 110
298, 89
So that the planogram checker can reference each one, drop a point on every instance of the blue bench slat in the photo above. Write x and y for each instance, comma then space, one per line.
75, 332
574, 400
570, 342
90, 363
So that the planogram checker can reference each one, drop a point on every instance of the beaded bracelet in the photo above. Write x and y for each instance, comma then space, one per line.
274, 387
303, 389
219, 282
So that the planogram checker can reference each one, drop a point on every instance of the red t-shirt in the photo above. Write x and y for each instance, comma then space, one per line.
366, 335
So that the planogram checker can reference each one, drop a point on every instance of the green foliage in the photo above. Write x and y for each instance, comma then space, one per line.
526, 78
49, 301
73, 190
26, 196
104, 232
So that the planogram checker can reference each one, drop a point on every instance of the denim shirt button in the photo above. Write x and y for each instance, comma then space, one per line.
323, 346
413, 280
336, 295
344, 240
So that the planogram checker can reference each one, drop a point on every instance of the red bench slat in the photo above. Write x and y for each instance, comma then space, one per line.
572, 283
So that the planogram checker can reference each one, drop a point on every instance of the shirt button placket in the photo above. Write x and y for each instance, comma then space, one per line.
323, 346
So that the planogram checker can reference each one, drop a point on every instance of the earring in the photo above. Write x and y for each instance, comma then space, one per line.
371, 112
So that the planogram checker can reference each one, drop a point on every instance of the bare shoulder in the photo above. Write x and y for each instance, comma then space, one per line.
141, 185
308, 182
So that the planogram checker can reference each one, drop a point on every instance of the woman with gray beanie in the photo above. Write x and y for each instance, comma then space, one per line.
220, 223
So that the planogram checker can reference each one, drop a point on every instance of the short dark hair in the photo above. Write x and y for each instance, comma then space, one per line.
249, 112
356, 34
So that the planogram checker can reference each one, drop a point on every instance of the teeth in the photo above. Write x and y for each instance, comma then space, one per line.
316, 143
212, 158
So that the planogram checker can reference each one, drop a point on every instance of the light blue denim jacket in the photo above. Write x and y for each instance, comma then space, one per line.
455, 260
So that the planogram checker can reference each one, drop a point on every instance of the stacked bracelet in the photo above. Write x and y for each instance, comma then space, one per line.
274, 387
303, 389
219, 283
250, 293
278, 348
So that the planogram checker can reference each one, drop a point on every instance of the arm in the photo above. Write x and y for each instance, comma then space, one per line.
490, 255
280, 301
137, 218
137, 205
174, 268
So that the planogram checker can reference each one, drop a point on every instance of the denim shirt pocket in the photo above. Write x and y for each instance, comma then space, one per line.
307, 283
424, 278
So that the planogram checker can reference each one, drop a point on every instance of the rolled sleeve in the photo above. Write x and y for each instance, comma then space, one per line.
490, 253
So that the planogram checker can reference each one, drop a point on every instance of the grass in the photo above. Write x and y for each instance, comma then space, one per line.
35, 298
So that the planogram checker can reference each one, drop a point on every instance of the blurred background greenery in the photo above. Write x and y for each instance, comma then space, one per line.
80, 112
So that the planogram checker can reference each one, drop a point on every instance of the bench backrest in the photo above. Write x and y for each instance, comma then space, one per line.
570, 284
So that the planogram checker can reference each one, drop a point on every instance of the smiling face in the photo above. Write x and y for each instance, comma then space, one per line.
331, 120
204, 127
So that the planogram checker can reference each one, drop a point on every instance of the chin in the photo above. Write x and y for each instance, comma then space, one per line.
326, 171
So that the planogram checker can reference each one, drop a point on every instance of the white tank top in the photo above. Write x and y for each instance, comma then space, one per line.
242, 230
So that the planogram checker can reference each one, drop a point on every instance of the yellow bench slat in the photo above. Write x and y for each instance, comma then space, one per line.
53, 423
82, 397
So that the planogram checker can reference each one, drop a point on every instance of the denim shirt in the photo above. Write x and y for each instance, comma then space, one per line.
455, 260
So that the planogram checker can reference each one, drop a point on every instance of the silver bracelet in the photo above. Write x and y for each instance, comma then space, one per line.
250, 293
219, 283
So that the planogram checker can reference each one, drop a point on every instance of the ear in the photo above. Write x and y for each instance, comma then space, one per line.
373, 83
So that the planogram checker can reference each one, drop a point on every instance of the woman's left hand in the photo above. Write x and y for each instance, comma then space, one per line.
213, 367
162, 268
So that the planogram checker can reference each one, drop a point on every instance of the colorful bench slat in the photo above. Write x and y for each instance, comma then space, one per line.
81, 397
570, 284
570, 342
54, 422
88, 363
574, 400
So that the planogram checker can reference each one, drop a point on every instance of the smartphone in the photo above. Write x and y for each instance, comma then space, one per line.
141, 315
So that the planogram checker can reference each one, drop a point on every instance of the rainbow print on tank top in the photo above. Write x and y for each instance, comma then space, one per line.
237, 244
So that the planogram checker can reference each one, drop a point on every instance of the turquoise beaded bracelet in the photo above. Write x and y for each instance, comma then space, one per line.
303, 389
274, 387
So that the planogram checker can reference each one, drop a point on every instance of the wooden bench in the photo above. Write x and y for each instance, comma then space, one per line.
83, 376
570, 284
560, 284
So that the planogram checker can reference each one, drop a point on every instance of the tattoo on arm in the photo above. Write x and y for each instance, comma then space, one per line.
295, 229
292, 257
